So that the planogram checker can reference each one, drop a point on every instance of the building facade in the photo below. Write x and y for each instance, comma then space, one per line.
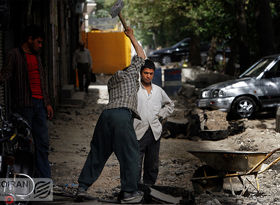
61, 21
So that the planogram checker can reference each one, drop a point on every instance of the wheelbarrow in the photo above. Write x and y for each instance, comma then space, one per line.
222, 164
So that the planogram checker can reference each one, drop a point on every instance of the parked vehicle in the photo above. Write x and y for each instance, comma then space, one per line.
16, 157
174, 53
180, 51
255, 89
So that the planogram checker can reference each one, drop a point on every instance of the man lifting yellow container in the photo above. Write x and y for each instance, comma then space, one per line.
110, 51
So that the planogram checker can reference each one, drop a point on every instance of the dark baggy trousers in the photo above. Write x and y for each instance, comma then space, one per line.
114, 132
83, 70
149, 151
37, 118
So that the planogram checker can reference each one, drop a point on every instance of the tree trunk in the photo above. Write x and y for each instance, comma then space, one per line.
244, 55
195, 51
211, 54
230, 66
265, 28
277, 28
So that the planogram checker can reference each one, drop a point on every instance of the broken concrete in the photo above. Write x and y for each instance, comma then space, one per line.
183, 127
202, 78
187, 90
213, 134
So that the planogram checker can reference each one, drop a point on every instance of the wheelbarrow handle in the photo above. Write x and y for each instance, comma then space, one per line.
222, 176
264, 159
268, 166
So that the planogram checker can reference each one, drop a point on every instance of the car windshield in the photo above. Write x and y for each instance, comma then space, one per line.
182, 43
257, 68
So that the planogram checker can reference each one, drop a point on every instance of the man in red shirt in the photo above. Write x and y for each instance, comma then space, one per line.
29, 95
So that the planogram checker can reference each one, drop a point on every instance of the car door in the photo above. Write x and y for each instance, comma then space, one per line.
270, 85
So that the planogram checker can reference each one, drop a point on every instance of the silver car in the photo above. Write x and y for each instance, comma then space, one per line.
255, 89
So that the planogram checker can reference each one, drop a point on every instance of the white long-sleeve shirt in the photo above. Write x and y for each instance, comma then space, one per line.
82, 57
150, 107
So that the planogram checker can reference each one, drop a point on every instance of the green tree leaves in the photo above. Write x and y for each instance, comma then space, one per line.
161, 23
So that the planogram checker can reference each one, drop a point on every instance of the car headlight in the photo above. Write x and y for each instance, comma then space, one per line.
218, 93
205, 94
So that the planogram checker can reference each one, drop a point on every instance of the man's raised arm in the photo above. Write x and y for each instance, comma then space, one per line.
139, 50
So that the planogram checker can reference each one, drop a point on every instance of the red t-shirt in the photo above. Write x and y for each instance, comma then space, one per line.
34, 76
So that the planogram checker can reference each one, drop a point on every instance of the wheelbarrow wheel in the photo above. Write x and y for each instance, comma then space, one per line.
206, 185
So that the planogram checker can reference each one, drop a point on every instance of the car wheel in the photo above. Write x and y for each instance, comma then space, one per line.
166, 60
244, 107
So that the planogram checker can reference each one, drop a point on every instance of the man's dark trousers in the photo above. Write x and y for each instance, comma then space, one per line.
83, 70
114, 132
149, 151
37, 118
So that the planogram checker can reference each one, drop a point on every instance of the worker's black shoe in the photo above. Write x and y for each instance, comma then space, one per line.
130, 197
81, 194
